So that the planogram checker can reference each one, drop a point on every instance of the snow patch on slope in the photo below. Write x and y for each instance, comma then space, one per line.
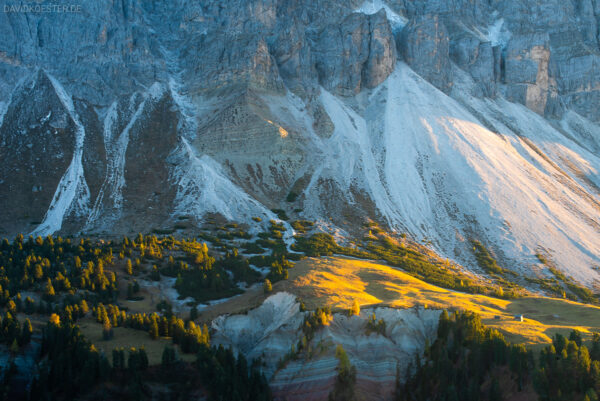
3, 109
348, 155
110, 196
447, 172
189, 124
498, 34
72, 195
109, 122
370, 7
204, 188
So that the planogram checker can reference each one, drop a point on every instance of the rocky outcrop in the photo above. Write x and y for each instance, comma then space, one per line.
272, 331
425, 47
232, 61
526, 71
148, 188
261, 152
137, 190
556, 49
474, 53
358, 53
37, 142
575, 72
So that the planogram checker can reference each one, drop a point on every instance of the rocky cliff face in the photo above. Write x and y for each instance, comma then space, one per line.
445, 119
272, 331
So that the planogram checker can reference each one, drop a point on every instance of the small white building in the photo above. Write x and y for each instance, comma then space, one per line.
519, 318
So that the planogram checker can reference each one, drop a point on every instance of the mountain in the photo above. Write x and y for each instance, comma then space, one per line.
450, 121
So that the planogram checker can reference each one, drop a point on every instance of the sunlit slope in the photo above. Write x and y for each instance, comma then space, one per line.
337, 282
447, 169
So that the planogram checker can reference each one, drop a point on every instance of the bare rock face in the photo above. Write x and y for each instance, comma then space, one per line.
575, 68
233, 61
136, 190
426, 49
552, 56
104, 51
148, 193
469, 10
293, 55
359, 53
474, 54
382, 50
252, 143
37, 141
527, 71
274, 328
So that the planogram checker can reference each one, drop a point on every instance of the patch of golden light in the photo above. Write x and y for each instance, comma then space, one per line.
337, 282
282, 132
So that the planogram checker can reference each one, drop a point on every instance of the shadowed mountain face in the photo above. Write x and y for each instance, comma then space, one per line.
449, 120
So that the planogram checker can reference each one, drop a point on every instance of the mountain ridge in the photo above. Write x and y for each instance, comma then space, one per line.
450, 121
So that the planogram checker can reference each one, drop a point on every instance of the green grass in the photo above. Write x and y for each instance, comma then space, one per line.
410, 260
127, 338
485, 259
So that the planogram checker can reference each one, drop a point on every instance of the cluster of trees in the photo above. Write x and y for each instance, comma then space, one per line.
376, 326
239, 266
279, 270
273, 240
318, 244
568, 370
198, 275
485, 259
52, 266
188, 335
302, 226
576, 289
137, 360
229, 378
13, 333
313, 321
468, 361
465, 355
69, 364
345, 382
71, 278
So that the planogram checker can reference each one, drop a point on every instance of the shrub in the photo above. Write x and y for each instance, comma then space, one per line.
267, 286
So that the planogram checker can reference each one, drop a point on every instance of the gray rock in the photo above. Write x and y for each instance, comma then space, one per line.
575, 67
527, 71
31, 156
231, 63
473, 53
425, 46
382, 50
359, 52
